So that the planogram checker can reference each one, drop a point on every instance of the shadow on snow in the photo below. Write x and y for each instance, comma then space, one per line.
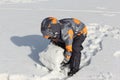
36, 43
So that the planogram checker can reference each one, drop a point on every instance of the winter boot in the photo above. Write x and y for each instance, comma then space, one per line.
72, 72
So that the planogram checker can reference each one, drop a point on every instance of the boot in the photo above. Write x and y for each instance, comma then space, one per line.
72, 72
64, 64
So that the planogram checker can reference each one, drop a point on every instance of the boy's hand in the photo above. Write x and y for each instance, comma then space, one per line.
67, 57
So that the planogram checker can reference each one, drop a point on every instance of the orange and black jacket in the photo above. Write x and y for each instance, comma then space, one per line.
70, 28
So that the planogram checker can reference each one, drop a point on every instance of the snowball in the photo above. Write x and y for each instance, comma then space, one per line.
52, 57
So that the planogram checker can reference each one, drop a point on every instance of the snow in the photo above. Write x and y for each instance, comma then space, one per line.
103, 64
19, 1
52, 57
117, 54
26, 55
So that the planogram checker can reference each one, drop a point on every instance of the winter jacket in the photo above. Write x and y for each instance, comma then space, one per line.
70, 28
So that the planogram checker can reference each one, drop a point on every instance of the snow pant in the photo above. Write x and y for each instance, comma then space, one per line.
76, 53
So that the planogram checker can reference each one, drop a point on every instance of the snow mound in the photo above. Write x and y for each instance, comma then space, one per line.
117, 54
52, 57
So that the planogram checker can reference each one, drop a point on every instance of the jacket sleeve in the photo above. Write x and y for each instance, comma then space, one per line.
68, 38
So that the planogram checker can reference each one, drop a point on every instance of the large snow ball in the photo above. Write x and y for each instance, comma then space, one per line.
52, 57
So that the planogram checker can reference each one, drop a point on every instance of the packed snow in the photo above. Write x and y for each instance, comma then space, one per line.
26, 55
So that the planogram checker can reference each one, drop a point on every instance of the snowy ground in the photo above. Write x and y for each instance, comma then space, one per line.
21, 43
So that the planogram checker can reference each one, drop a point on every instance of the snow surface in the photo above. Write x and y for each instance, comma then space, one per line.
26, 55
19, 1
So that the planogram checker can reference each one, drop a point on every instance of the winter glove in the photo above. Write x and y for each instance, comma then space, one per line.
67, 58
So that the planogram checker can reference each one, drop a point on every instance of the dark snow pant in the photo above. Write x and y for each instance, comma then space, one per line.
76, 54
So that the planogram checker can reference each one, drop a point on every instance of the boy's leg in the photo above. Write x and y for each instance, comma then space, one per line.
76, 54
